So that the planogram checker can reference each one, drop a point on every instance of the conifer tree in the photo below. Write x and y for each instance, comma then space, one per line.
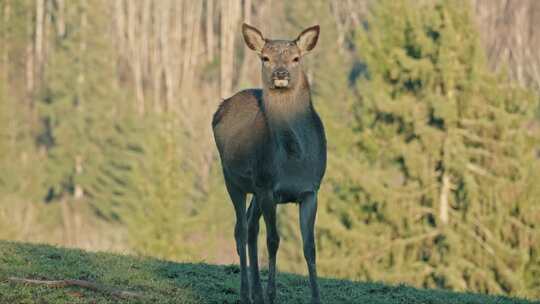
443, 141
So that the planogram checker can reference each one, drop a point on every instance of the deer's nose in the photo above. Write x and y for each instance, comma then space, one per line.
280, 73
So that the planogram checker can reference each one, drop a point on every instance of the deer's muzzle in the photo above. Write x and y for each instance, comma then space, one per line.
280, 78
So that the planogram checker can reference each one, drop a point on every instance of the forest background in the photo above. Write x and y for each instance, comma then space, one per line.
431, 110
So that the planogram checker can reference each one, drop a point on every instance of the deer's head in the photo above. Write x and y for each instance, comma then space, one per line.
281, 59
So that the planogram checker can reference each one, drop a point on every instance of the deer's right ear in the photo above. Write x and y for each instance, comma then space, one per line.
253, 38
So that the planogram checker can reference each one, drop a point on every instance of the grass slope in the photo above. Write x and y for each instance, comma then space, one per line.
168, 282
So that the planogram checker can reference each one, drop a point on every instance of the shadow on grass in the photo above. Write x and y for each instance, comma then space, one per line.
169, 282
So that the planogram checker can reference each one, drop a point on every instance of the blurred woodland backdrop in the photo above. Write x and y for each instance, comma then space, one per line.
431, 110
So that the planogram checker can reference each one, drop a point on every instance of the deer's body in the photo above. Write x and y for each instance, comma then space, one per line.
272, 144
272, 147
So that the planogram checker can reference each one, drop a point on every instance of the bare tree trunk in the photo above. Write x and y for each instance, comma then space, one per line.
157, 66
188, 49
120, 24
5, 46
445, 189
183, 34
30, 60
66, 220
225, 16
334, 5
28, 221
48, 31
145, 33
191, 50
81, 81
210, 30
79, 193
353, 15
165, 54
247, 11
509, 33
60, 22
40, 9
229, 20
135, 56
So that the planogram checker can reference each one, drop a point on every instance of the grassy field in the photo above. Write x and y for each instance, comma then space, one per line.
149, 280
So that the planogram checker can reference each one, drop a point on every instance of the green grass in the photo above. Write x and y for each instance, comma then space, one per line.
167, 282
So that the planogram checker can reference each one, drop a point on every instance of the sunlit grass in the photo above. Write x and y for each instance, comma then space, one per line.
167, 282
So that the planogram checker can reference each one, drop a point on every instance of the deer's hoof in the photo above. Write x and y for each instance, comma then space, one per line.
271, 294
258, 299
245, 300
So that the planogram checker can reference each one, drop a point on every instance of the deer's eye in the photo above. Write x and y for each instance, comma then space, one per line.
296, 59
265, 59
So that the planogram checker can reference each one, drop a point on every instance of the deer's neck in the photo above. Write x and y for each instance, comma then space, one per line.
288, 113
286, 110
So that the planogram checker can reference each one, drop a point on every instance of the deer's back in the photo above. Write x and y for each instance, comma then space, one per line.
239, 129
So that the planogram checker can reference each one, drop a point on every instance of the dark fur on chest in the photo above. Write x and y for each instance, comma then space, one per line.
262, 146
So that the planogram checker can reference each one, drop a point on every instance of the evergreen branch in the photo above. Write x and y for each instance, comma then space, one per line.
479, 170
385, 249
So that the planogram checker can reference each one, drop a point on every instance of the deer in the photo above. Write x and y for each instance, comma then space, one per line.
272, 144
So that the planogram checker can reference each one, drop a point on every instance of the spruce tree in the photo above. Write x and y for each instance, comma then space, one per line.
443, 157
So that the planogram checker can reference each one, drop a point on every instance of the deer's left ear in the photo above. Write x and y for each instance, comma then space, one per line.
307, 39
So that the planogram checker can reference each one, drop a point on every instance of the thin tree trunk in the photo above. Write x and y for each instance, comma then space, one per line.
78, 193
445, 189
135, 57
247, 11
66, 220
334, 4
190, 62
157, 66
225, 15
165, 54
210, 30
30, 59
40, 9
5, 45
46, 45
60, 22
181, 36
188, 28
145, 31
81, 77
229, 18
120, 24
28, 221
81, 82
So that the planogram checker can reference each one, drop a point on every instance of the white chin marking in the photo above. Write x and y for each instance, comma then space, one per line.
281, 83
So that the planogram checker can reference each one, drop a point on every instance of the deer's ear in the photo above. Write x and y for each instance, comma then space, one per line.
253, 37
307, 39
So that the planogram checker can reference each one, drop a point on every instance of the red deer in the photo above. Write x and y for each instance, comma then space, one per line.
272, 144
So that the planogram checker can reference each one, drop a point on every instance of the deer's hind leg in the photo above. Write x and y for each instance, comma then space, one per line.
254, 215
238, 198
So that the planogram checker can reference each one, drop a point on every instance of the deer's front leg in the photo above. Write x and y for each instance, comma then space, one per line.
254, 214
272, 243
308, 212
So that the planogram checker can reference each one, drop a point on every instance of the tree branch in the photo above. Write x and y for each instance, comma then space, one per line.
79, 283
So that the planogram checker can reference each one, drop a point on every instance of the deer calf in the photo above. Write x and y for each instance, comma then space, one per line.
272, 144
